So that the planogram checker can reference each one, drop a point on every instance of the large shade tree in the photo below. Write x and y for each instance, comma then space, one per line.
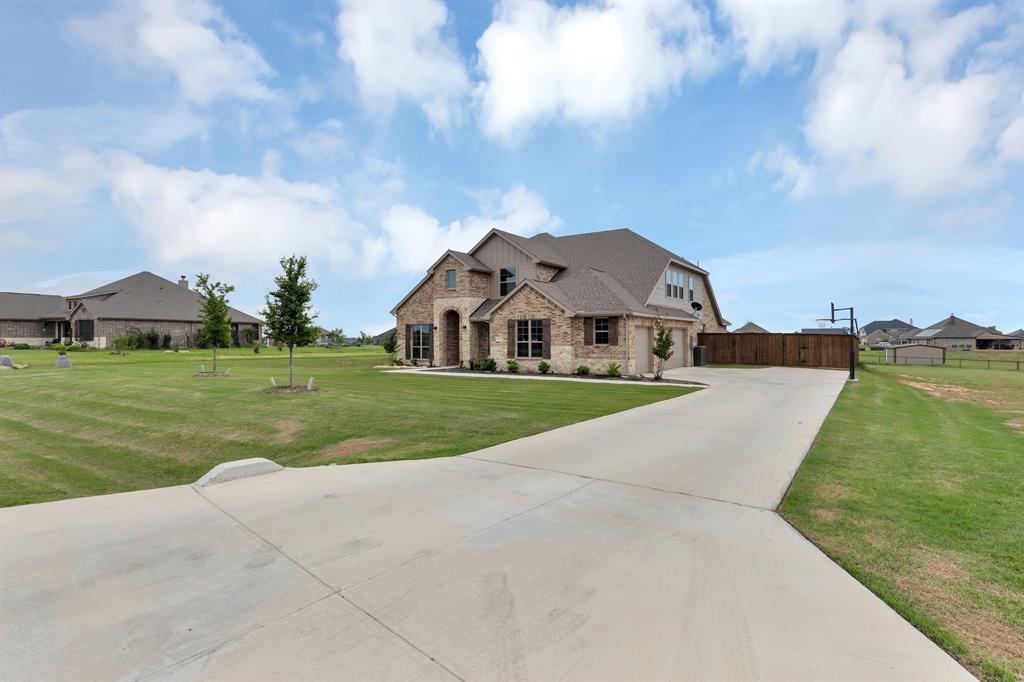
215, 322
289, 314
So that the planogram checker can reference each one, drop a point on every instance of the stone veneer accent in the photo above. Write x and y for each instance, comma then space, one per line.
545, 272
429, 303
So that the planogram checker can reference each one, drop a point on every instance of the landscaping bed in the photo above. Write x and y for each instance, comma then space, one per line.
634, 379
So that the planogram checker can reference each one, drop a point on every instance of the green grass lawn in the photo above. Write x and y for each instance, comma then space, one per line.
114, 423
915, 485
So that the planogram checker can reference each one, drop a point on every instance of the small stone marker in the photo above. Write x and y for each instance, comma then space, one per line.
6, 361
309, 384
63, 361
202, 368
272, 382
227, 373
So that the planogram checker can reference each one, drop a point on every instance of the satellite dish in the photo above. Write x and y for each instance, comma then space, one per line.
697, 307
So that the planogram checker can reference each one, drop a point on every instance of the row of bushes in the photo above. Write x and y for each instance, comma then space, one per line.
60, 347
613, 369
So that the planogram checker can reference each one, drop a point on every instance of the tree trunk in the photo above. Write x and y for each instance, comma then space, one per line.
214, 357
291, 365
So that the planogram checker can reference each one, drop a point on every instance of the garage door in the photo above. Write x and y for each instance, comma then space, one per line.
679, 350
643, 349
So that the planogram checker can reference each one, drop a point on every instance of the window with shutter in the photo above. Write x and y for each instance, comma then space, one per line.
529, 338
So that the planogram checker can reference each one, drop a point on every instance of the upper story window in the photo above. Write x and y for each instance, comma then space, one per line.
450, 278
691, 289
602, 334
508, 280
675, 284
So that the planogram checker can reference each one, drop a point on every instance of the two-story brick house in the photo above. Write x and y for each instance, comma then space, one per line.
590, 299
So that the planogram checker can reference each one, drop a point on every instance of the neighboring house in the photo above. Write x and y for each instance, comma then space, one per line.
891, 327
751, 328
585, 299
323, 337
380, 338
825, 330
957, 334
1019, 335
35, 319
142, 302
893, 336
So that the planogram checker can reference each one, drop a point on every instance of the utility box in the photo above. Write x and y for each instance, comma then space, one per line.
700, 356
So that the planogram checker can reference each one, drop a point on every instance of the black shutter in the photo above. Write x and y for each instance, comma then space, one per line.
588, 331
613, 331
511, 338
430, 343
85, 330
546, 347
408, 341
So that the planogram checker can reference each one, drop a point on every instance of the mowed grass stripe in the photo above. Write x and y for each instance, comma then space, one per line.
144, 420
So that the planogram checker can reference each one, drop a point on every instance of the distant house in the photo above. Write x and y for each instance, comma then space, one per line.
1019, 335
323, 337
379, 338
885, 330
751, 328
142, 302
955, 333
893, 336
825, 330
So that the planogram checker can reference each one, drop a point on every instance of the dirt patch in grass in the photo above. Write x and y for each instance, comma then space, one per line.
348, 448
981, 629
287, 430
833, 492
825, 514
994, 401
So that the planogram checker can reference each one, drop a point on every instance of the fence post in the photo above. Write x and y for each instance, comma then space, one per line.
988, 364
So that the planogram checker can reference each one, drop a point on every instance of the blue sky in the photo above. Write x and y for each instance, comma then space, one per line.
867, 154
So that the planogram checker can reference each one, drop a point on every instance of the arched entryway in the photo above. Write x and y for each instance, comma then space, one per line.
451, 338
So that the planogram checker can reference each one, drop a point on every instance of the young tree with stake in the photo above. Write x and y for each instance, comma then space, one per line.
662, 349
289, 314
215, 324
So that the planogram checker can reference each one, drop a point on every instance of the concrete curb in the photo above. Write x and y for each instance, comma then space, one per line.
239, 468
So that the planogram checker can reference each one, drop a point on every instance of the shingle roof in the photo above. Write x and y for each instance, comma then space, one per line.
951, 327
15, 306
751, 328
471, 262
825, 330
885, 325
145, 296
1019, 334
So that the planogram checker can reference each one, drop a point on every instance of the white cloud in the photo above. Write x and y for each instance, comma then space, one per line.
903, 96
191, 40
594, 65
773, 33
794, 176
414, 239
325, 141
398, 53
57, 192
243, 223
1011, 142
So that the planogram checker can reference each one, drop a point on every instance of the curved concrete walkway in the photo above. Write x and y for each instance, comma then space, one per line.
640, 545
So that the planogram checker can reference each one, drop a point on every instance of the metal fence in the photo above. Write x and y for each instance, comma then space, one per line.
961, 363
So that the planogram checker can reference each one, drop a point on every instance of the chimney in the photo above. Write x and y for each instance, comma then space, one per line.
183, 282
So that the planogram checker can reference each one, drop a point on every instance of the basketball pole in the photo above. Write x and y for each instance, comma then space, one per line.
853, 340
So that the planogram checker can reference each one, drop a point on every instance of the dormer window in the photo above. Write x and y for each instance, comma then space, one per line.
508, 280
675, 284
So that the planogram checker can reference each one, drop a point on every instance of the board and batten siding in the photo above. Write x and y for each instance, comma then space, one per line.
497, 253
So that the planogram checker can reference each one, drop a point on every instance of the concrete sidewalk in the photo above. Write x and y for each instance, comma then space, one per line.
464, 568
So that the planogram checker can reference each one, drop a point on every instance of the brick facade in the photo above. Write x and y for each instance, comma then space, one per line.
430, 303
182, 333
32, 332
527, 304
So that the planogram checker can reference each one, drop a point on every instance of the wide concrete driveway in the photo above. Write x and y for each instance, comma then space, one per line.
640, 545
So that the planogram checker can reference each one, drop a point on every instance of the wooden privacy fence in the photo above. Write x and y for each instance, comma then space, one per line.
789, 350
